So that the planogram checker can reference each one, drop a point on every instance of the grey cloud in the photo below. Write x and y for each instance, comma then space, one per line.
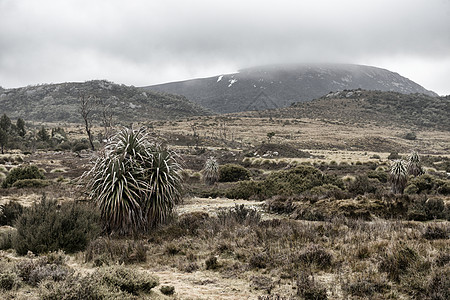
144, 42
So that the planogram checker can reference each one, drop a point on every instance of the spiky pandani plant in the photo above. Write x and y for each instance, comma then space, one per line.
398, 176
135, 182
211, 171
414, 168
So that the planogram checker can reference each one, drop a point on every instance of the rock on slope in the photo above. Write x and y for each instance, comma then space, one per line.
270, 87
60, 102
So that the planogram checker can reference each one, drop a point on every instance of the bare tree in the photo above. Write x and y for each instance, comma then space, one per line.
87, 105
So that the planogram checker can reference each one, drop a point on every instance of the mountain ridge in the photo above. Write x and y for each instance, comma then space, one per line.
277, 86
60, 102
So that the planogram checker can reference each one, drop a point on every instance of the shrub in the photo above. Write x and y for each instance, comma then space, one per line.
427, 183
244, 190
240, 215
8, 280
135, 182
105, 250
30, 183
19, 173
366, 286
211, 263
115, 282
361, 185
232, 173
309, 289
316, 255
397, 261
410, 136
286, 183
128, 280
167, 289
379, 175
47, 226
10, 212
435, 232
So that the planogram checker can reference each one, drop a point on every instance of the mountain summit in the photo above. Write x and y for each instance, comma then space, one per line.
279, 86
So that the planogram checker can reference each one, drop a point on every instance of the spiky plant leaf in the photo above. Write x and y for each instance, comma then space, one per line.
398, 176
211, 171
414, 168
135, 182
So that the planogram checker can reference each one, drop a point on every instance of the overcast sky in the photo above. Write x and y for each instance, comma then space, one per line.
138, 42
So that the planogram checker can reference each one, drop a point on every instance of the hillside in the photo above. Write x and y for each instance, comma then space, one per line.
375, 107
271, 87
60, 102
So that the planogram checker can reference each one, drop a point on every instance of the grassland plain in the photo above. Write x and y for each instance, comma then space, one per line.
344, 236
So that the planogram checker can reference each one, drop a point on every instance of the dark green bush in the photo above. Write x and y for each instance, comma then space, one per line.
80, 145
361, 185
286, 183
10, 212
47, 226
20, 173
380, 175
245, 190
232, 173
211, 263
427, 183
30, 183
167, 289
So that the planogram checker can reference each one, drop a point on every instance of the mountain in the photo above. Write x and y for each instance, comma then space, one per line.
371, 108
60, 102
278, 86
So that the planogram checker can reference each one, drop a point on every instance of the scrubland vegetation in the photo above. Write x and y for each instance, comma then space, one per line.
119, 223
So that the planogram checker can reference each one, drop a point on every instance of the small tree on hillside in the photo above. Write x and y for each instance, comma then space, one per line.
3, 139
20, 124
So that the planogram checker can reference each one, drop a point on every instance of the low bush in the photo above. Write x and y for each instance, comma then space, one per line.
428, 184
436, 232
361, 185
232, 173
30, 183
107, 250
20, 173
8, 280
316, 255
286, 183
127, 280
379, 175
309, 289
167, 289
366, 286
115, 282
211, 263
239, 215
48, 226
397, 261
